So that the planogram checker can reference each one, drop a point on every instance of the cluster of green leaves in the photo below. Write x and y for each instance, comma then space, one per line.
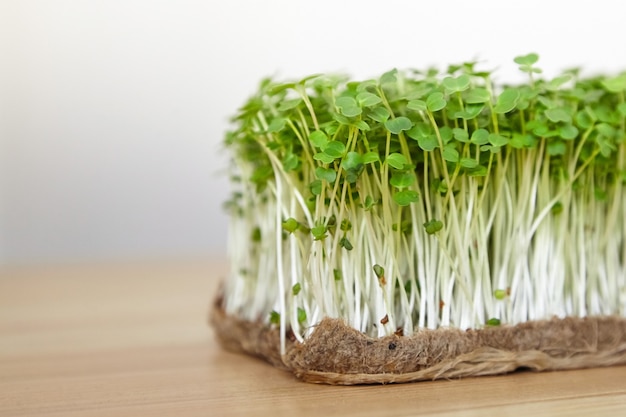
408, 128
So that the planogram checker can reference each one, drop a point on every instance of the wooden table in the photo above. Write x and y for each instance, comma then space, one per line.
131, 339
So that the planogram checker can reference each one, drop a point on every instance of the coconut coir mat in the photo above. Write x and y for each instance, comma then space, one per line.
337, 354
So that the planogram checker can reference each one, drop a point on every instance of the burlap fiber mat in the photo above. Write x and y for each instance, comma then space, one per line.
340, 355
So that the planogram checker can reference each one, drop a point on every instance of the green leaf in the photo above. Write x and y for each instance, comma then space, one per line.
289, 104
326, 174
274, 317
389, 77
379, 114
406, 197
261, 174
529, 59
456, 84
256, 236
418, 91
351, 111
497, 140
435, 102
367, 99
319, 232
417, 105
397, 160
586, 118
520, 141
290, 225
547, 102
405, 227
471, 111
322, 157
446, 134
335, 149
316, 187
500, 294
402, 179
337, 274
604, 139
477, 96
342, 120
398, 124
480, 137
309, 78
369, 202
295, 290
280, 87
558, 114
352, 163
440, 185
507, 100
490, 148
348, 106
621, 108
479, 171
591, 95
290, 162
365, 85
433, 226
607, 114
352, 160
450, 153
568, 132
428, 143
556, 83
361, 125
493, 322
606, 129
301, 315
539, 128
274, 145
557, 208
460, 134
276, 125
468, 163
379, 271
318, 139
370, 157
345, 243
526, 63
556, 147
605, 145
420, 129
600, 194
615, 84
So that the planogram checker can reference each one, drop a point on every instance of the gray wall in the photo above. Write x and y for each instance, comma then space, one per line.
112, 112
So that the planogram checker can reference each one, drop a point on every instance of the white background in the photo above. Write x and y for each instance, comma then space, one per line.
112, 112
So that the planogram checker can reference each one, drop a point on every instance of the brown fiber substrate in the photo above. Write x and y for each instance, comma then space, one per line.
337, 354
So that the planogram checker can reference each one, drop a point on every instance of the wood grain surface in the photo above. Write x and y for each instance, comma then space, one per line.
131, 339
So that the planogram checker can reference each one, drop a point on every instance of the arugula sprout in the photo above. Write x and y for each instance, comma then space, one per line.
421, 195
